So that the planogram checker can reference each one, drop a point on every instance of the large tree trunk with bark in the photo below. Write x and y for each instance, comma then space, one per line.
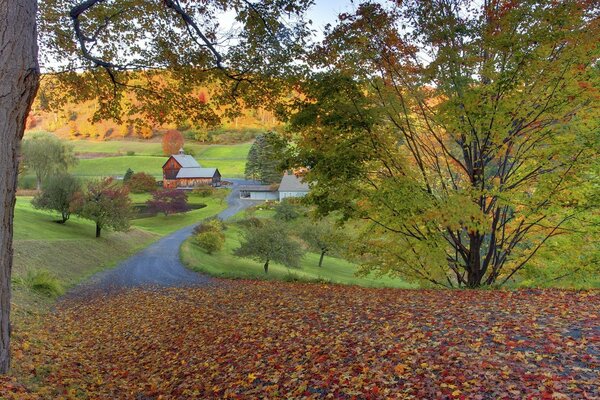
19, 79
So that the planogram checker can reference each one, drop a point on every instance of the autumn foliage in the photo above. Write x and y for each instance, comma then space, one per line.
168, 202
172, 141
274, 340
141, 182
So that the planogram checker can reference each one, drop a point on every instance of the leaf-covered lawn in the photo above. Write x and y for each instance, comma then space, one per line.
275, 340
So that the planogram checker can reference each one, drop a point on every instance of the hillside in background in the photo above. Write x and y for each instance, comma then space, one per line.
73, 121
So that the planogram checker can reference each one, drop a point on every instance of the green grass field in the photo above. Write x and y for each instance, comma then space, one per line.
225, 265
229, 159
69, 252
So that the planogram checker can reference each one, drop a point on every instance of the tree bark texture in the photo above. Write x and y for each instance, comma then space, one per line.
19, 79
266, 267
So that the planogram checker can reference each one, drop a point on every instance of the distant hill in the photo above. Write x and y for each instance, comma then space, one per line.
73, 122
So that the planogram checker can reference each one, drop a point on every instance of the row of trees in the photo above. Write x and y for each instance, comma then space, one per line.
282, 239
104, 202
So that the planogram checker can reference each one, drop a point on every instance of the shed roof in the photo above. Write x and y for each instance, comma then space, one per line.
186, 161
196, 172
291, 183
258, 188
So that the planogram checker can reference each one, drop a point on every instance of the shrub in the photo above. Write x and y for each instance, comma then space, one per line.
210, 241
141, 182
251, 222
42, 282
210, 225
205, 191
285, 211
130, 153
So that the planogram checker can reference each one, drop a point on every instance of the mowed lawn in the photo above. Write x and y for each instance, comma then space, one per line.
225, 265
229, 159
248, 339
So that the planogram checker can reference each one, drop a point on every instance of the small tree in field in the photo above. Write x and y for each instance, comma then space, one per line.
322, 236
270, 242
172, 141
45, 155
286, 211
210, 241
141, 182
58, 194
168, 202
107, 204
128, 175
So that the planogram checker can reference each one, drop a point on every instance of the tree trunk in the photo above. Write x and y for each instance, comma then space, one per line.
98, 230
266, 266
19, 79
474, 268
321, 258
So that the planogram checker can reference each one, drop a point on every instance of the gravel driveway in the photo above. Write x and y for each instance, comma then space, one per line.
159, 264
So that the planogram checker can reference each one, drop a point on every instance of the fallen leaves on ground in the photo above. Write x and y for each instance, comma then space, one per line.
276, 340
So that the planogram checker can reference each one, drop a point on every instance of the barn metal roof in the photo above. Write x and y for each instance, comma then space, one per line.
291, 183
186, 161
196, 172
258, 188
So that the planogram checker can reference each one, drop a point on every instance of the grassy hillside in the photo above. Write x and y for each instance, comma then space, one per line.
229, 159
224, 264
47, 253
51, 257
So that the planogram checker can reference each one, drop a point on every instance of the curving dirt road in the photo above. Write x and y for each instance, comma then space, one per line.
159, 264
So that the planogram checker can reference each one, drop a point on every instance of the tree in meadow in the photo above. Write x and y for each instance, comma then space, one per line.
270, 242
323, 237
168, 202
107, 204
172, 142
58, 194
45, 155
459, 131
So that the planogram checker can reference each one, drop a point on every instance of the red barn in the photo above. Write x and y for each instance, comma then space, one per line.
183, 171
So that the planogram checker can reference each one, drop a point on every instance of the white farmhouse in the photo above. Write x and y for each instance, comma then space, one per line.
290, 186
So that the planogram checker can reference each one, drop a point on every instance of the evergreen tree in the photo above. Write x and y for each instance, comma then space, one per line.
265, 158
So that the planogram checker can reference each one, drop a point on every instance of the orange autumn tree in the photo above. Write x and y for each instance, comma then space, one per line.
172, 141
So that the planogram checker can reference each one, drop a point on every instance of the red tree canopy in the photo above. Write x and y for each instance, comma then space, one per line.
172, 141
168, 202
